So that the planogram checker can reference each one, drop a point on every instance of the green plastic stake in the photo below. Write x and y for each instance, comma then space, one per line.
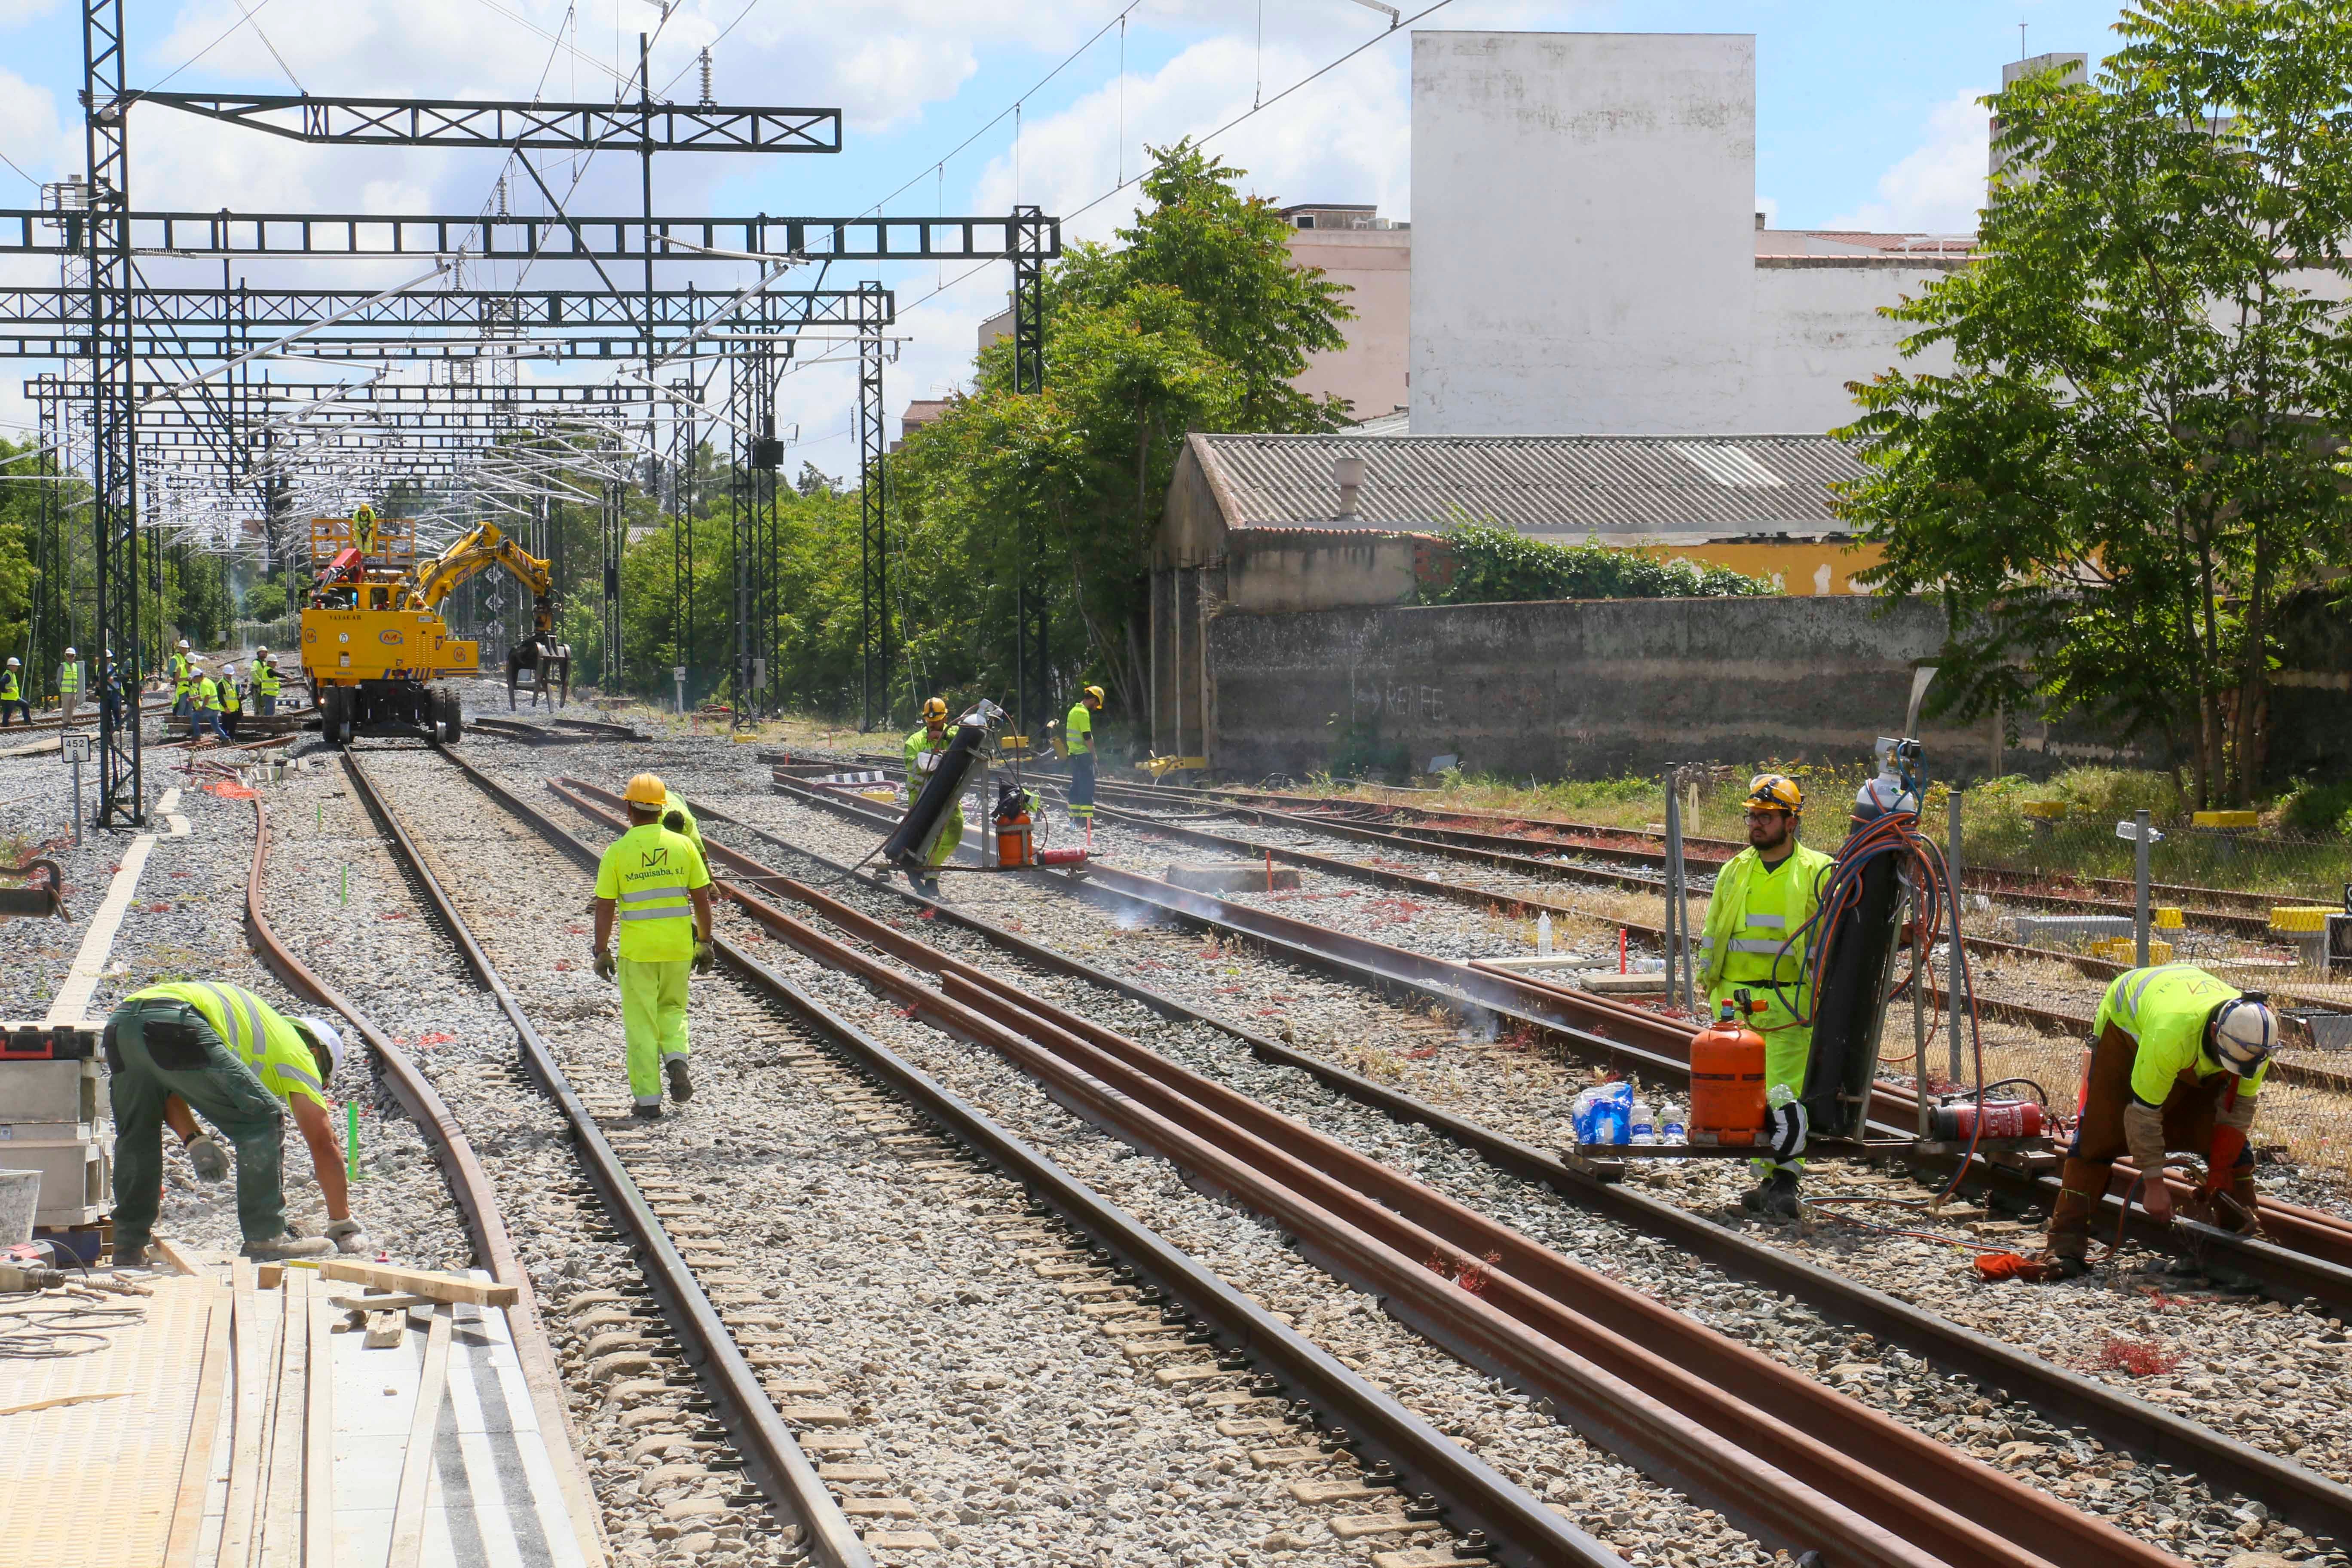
351, 1144
347, 884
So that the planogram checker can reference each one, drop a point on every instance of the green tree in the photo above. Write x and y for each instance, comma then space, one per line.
2135, 457
1196, 321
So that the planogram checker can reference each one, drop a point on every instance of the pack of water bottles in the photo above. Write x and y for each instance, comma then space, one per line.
1613, 1114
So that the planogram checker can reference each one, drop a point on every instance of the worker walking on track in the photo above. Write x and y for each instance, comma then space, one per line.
266, 684
1756, 941
70, 685
1078, 735
12, 693
925, 747
652, 884
2177, 1061
203, 1047
203, 707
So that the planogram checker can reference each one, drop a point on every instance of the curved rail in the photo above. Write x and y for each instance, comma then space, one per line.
2310, 1252
468, 1184
1486, 1510
2307, 1500
1754, 1438
749, 1415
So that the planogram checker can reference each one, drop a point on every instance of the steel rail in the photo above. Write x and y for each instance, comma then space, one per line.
1485, 1504
2020, 887
2308, 1255
2308, 1501
1570, 1332
791, 1483
469, 1186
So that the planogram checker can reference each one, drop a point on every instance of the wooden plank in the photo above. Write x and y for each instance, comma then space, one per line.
449, 1287
398, 1303
385, 1331
171, 1255
416, 1465
196, 1470
245, 1445
281, 1537
318, 1439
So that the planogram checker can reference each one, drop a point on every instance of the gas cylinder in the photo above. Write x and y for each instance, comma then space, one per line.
1726, 1076
2000, 1119
1015, 843
1061, 858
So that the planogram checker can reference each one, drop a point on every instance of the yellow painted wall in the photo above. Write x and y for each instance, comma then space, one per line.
1802, 567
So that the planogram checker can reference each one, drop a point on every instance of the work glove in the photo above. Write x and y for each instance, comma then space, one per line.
705, 956
348, 1237
208, 1157
605, 968
1788, 1127
926, 762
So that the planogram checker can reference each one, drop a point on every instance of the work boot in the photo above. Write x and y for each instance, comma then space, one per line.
681, 1087
277, 1248
2082, 1183
1775, 1199
646, 1112
130, 1257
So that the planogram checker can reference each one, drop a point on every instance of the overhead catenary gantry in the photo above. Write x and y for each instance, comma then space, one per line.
186, 378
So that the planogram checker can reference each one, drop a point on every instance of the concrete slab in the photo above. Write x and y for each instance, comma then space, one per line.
1237, 877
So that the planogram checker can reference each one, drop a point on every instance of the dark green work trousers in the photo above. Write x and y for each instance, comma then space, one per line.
155, 1049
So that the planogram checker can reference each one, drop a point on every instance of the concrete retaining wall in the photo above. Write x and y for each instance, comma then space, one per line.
1586, 688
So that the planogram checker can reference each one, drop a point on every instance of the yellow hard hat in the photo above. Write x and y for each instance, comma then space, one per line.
646, 790
1097, 693
1775, 792
935, 711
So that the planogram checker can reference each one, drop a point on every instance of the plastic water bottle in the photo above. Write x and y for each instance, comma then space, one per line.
1643, 1126
1580, 1115
1671, 1129
1543, 936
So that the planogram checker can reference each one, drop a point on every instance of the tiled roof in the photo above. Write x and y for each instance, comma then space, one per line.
1538, 484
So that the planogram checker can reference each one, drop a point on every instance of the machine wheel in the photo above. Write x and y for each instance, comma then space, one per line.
453, 715
335, 715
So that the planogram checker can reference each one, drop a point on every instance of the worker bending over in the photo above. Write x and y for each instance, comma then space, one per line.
12, 693
203, 707
1756, 941
1078, 735
2177, 1061
219, 1051
925, 747
652, 882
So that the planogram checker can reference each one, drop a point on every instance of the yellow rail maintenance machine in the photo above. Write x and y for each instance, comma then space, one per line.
374, 647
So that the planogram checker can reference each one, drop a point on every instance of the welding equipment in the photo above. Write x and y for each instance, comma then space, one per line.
1726, 1078
910, 843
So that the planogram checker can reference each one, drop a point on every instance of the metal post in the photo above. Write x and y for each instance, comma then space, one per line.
1954, 1000
677, 674
1920, 949
1677, 937
2140, 835
76, 776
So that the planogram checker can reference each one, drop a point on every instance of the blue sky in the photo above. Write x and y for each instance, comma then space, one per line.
1863, 112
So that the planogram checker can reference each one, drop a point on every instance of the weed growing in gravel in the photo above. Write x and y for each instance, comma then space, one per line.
2139, 1358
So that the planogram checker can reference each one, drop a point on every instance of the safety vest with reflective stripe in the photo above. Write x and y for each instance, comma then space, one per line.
648, 873
679, 817
207, 692
8, 692
230, 702
69, 680
257, 1035
265, 680
1754, 913
2164, 1008
180, 674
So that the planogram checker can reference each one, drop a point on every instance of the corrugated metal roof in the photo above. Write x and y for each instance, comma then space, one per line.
1538, 484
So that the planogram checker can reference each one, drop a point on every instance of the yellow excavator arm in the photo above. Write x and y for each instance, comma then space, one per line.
474, 553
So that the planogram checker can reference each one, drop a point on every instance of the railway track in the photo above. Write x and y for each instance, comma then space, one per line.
469, 1186
719, 1366
2220, 909
1526, 1281
2309, 1255
2117, 1419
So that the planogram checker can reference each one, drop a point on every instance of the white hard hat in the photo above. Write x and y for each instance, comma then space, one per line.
228, 669
183, 642
261, 653
2246, 1033
323, 1032
12, 661
71, 653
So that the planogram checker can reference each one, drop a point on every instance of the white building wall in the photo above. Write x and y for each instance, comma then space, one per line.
1815, 328
1583, 232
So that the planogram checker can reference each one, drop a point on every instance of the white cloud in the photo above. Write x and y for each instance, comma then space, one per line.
16, 13
1938, 188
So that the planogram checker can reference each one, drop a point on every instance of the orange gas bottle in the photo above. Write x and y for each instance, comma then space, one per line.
1015, 834
1726, 1078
